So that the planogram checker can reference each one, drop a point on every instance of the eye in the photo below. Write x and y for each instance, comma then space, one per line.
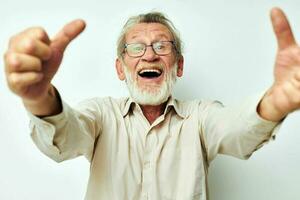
136, 47
159, 46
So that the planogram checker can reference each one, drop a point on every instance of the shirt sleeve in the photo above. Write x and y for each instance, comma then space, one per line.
69, 134
236, 130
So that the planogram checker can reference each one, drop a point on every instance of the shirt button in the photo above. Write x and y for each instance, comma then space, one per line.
145, 196
146, 164
45, 125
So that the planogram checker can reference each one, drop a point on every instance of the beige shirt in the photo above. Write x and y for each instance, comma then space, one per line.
167, 160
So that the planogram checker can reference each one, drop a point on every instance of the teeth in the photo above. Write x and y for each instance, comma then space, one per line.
150, 70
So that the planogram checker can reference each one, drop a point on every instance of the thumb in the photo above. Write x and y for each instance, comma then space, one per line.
69, 32
282, 29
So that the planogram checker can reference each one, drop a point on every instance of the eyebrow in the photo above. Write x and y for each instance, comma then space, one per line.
162, 35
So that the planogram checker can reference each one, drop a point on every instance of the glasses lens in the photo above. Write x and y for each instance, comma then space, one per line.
162, 48
135, 49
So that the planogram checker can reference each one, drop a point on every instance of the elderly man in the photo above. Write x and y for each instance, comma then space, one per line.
150, 145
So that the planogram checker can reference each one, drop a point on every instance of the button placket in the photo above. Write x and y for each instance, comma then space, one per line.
147, 163
145, 196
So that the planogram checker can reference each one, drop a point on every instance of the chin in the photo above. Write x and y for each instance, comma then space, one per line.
151, 92
149, 96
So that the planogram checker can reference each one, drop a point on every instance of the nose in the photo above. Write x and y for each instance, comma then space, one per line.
149, 54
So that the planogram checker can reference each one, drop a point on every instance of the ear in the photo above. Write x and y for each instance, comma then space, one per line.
120, 69
180, 66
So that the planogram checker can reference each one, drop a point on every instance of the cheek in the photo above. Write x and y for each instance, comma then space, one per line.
131, 63
169, 63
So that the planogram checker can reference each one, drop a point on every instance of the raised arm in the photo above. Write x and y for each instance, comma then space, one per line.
284, 95
31, 61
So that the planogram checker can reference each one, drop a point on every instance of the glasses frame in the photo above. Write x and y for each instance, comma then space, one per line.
151, 45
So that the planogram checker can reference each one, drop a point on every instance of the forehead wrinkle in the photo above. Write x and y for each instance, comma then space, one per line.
156, 37
142, 30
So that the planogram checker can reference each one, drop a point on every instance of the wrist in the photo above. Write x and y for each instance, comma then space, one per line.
267, 109
47, 105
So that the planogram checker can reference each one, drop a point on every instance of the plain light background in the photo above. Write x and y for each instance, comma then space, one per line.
229, 50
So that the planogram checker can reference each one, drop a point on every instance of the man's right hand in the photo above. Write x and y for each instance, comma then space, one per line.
31, 61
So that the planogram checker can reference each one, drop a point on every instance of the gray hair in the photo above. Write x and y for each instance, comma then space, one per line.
151, 17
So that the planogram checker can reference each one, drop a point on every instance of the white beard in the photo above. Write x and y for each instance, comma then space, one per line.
151, 96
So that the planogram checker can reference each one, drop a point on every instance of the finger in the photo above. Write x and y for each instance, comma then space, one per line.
297, 76
282, 29
296, 84
37, 33
31, 47
67, 34
15, 62
33, 32
18, 81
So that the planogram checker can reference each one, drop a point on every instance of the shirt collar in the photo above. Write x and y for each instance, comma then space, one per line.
172, 103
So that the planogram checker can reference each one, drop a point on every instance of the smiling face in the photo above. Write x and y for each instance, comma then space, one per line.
150, 78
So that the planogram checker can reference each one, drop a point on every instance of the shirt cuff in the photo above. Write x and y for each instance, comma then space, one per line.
43, 130
262, 127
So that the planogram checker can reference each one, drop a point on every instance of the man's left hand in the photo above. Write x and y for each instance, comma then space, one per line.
284, 95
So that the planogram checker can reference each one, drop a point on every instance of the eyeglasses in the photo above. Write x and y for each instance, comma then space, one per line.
160, 48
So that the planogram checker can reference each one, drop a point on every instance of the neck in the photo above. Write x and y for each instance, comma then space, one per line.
153, 112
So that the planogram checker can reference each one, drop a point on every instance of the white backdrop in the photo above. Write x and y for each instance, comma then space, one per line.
229, 54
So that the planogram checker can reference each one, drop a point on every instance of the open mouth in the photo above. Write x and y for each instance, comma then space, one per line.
150, 73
